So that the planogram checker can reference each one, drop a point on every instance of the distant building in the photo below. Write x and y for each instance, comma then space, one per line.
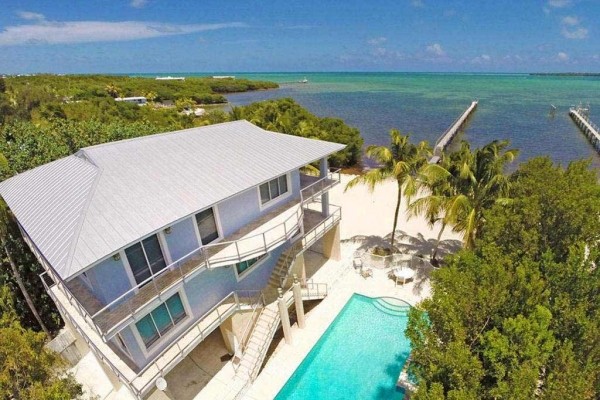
170, 78
139, 100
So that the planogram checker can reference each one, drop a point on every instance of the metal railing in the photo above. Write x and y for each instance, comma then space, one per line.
165, 360
216, 255
97, 352
585, 117
314, 290
216, 317
318, 231
247, 332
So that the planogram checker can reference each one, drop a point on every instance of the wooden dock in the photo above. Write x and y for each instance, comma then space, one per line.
588, 128
446, 138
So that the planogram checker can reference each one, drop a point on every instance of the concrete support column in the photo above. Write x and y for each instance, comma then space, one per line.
229, 338
285, 318
331, 244
299, 303
323, 170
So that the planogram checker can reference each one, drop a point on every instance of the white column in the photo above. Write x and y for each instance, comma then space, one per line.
324, 169
285, 318
299, 304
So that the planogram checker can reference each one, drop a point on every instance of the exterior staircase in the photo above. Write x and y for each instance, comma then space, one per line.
258, 344
262, 333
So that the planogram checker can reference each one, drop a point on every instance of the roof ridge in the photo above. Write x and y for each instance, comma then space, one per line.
82, 213
160, 134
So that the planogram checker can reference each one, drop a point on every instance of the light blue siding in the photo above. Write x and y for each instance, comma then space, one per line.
243, 208
132, 345
202, 293
109, 280
182, 240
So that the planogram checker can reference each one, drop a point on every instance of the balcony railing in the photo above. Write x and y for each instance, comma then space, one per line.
109, 319
141, 382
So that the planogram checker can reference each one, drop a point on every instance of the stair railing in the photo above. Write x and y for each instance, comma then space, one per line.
247, 332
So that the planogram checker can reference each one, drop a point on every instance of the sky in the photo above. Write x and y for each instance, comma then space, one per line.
147, 36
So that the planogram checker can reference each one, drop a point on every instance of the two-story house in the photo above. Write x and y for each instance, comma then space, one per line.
151, 244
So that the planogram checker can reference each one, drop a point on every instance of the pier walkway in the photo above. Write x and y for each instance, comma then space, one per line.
446, 138
588, 128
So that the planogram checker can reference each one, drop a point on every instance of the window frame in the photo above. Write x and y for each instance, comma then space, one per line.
259, 261
170, 332
140, 242
215, 208
281, 195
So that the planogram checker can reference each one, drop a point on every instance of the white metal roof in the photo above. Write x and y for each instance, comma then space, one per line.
82, 208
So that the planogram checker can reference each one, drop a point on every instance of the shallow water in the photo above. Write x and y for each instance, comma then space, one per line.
514, 107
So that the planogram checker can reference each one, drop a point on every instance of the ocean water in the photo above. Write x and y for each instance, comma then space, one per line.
511, 106
359, 356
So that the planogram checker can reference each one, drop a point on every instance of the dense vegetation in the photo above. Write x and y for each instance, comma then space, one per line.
27, 369
517, 315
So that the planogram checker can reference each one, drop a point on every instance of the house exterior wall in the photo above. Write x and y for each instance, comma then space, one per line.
241, 209
109, 280
201, 293
182, 240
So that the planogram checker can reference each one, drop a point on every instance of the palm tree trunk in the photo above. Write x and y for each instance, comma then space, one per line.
396, 214
17, 277
437, 243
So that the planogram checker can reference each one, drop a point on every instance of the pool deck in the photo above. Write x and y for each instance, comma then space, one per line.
287, 358
343, 282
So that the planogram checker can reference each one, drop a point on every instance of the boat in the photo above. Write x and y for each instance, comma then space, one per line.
303, 80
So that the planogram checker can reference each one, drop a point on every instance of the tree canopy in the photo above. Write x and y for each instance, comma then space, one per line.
27, 369
517, 316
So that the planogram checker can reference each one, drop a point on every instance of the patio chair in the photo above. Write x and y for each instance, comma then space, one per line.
357, 262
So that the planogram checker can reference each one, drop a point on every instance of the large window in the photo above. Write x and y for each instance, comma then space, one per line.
273, 189
207, 226
160, 320
145, 258
245, 265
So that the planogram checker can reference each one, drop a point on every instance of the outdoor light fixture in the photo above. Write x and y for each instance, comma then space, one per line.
168, 230
116, 256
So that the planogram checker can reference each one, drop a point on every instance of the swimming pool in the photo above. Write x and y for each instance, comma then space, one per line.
359, 356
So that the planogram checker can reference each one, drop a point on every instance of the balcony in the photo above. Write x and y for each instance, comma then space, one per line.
140, 381
299, 217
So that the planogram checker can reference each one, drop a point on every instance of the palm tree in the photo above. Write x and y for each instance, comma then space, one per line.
5, 219
402, 162
478, 181
436, 191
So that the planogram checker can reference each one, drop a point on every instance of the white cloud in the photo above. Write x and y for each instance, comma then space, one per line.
561, 56
570, 20
31, 16
436, 49
138, 3
484, 58
377, 41
576, 33
559, 3
46, 32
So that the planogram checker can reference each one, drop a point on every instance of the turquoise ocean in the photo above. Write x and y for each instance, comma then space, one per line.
516, 107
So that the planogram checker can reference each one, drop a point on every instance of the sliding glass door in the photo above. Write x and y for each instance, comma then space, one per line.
207, 226
145, 258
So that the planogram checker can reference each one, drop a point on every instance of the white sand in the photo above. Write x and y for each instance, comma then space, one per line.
366, 213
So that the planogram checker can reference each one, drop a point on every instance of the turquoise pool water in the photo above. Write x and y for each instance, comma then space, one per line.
359, 356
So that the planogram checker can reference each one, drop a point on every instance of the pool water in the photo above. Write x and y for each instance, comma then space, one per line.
359, 356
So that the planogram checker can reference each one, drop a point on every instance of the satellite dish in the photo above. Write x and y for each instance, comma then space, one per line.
161, 384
